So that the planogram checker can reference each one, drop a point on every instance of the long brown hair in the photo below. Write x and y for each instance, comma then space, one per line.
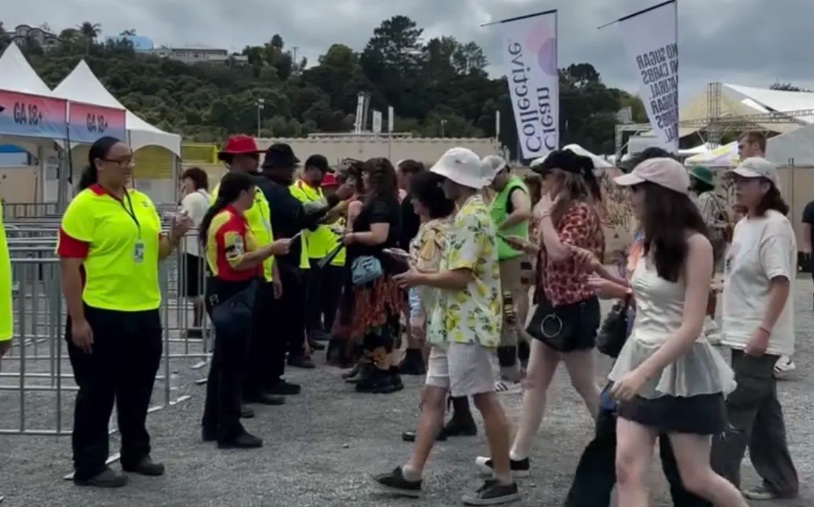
381, 179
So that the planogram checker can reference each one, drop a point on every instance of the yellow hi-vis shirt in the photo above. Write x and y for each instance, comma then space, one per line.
6, 312
338, 229
297, 192
259, 219
119, 242
321, 240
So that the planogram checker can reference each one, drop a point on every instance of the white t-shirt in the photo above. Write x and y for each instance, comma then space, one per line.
196, 205
762, 248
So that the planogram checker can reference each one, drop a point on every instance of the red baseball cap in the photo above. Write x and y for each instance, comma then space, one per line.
329, 180
240, 145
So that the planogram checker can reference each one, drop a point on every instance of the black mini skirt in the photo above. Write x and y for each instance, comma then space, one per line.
704, 414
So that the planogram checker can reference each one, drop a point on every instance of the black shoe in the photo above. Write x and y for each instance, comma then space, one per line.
460, 426
264, 399
520, 468
208, 435
394, 482
410, 436
284, 388
315, 345
246, 412
321, 336
378, 382
145, 467
301, 362
413, 363
493, 493
242, 441
107, 478
395, 379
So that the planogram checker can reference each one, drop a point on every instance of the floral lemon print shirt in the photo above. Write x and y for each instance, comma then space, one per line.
473, 315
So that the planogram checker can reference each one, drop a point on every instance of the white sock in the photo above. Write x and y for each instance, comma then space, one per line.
410, 474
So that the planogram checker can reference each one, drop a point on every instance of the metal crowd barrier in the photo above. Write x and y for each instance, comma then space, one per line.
37, 370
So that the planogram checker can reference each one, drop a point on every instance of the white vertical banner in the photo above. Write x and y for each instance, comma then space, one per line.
377, 122
530, 52
391, 119
651, 40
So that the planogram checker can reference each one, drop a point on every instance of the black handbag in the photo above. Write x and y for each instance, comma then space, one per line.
613, 332
565, 328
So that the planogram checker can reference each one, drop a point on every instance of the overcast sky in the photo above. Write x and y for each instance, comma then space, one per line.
746, 42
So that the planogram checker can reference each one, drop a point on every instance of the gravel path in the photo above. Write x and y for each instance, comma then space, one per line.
321, 446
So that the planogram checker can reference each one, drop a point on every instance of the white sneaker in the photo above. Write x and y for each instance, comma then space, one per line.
784, 367
508, 387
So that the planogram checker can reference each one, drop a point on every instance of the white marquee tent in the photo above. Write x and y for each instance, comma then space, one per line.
795, 148
82, 85
18, 76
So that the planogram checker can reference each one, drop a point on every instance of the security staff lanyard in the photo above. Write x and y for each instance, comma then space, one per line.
138, 247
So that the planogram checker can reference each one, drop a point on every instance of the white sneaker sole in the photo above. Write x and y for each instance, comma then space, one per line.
471, 500
486, 471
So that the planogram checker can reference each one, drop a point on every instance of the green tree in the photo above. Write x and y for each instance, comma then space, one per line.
437, 87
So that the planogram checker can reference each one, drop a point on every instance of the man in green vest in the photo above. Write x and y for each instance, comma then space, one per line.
511, 211
319, 243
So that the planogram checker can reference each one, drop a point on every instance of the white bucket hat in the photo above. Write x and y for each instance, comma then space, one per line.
464, 167
494, 164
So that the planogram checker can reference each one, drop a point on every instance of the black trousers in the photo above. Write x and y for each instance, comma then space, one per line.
120, 370
289, 319
232, 320
324, 288
258, 375
595, 476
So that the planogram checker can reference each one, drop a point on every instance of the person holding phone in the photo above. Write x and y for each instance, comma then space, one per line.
235, 261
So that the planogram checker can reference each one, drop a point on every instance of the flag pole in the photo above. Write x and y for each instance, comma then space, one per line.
648, 9
518, 18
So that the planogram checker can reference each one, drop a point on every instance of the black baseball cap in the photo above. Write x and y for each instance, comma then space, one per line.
320, 162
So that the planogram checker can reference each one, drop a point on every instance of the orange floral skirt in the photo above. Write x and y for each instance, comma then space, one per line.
369, 319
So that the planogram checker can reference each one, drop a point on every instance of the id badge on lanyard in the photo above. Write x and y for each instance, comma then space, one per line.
138, 246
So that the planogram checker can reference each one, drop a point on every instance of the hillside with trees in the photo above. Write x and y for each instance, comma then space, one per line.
438, 86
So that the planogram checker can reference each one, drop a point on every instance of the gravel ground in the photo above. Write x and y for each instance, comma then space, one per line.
321, 446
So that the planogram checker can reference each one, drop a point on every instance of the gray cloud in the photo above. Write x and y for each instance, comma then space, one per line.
720, 40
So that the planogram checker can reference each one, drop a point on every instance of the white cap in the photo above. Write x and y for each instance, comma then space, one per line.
495, 164
664, 172
537, 161
464, 167
757, 167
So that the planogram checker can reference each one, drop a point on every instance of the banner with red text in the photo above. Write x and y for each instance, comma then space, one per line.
88, 122
650, 37
26, 115
529, 46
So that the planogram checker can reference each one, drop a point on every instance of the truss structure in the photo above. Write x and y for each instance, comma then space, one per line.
717, 124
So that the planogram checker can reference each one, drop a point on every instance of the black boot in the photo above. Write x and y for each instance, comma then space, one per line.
462, 424
413, 363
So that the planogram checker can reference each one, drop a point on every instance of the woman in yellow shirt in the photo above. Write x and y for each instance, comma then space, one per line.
110, 243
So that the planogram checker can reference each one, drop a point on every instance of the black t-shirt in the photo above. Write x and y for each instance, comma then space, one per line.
808, 218
381, 210
410, 222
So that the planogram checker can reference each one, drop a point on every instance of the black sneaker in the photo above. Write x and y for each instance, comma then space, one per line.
146, 466
394, 482
492, 493
460, 426
246, 412
410, 436
208, 435
264, 399
301, 362
284, 388
413, 363
242, 441
520, 468
107, 478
